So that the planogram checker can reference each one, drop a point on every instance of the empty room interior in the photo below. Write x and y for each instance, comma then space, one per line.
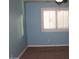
38, 29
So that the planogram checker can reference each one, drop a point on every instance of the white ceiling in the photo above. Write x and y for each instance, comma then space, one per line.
39, 0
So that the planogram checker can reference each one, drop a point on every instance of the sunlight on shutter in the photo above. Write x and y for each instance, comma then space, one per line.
63, 18
49, 19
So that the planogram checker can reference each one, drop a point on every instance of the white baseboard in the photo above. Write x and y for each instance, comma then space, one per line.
13, 58
22, 52
47, 45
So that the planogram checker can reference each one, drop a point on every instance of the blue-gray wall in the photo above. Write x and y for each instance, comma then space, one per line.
17, 40
33, 25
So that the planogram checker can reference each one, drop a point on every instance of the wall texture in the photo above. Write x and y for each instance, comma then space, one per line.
33, 25
17, 40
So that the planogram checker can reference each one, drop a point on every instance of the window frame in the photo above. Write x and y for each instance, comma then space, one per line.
57, 29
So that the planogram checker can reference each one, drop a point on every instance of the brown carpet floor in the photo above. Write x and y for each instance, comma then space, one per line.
46, 53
